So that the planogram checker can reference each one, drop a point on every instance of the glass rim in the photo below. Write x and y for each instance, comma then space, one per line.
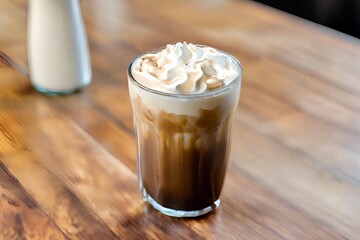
236, 79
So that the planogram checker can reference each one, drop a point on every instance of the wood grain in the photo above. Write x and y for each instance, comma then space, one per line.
21, 216
68, 164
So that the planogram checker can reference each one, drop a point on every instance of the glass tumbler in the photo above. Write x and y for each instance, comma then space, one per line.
183, 144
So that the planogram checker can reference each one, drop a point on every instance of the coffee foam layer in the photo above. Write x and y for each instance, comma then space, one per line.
183, 106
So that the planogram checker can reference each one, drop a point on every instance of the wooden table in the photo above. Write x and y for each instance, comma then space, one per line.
68, 166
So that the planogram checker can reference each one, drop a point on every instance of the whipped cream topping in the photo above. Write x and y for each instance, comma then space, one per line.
185, 69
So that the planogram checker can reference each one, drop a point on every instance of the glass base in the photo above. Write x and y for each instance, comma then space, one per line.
178, 213
51, 92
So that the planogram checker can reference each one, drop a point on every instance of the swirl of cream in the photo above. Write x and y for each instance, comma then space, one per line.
185, 69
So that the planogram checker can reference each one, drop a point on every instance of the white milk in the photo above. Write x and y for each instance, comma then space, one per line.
58, 50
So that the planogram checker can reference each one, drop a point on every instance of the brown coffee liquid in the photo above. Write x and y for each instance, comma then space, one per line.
183, 159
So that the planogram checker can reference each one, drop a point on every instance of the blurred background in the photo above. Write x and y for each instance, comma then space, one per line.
342, 15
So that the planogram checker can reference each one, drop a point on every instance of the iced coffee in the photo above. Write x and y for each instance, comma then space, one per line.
183, 97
